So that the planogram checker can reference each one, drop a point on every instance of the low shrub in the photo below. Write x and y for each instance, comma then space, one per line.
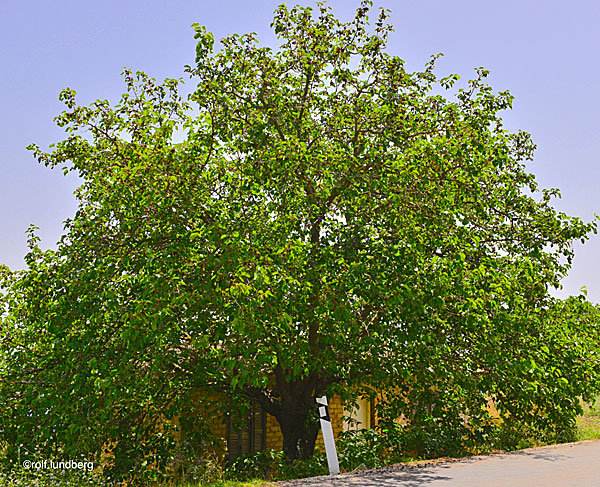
274, 465
205, 470
261, 465
361, 449
297, 469
29, 477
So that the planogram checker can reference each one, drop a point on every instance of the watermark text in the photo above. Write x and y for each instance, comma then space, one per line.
59, 465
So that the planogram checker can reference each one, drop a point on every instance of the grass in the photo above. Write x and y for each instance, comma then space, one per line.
588, 424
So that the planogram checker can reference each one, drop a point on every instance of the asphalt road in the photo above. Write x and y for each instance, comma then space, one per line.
567, 465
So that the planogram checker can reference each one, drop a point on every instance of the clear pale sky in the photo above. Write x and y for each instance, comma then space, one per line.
545, 53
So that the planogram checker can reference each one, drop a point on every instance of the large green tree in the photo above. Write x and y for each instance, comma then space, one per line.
329, 223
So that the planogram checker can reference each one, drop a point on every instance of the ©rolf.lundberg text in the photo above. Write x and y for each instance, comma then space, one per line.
59, 465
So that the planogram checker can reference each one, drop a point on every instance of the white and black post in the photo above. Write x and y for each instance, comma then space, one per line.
332, 459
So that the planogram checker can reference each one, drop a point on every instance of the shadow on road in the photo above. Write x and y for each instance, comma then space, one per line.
406, 479
418, 478
549, 456
558, 463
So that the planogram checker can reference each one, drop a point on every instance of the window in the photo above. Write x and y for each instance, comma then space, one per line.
250, 438
360, 417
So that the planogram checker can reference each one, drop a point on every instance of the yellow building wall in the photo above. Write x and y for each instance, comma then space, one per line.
274, 438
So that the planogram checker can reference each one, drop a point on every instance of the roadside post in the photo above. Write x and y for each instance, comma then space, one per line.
332, 459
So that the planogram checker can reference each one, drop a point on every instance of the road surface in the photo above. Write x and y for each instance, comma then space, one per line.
567, 465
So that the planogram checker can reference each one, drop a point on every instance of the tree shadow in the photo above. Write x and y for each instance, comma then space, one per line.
389, 478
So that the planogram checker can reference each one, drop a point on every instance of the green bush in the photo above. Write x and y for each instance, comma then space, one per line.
203, 470
22, 477
274, 465
261, 465
356, 449
297, 469
361, 449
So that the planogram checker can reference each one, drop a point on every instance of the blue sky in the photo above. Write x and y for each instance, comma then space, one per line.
545, 53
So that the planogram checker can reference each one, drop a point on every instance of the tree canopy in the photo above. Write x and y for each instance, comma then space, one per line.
330, 223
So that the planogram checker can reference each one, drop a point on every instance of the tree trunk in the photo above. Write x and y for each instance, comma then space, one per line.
299, 429
296, 413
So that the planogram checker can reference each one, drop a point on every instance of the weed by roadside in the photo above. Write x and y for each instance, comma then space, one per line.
588, 424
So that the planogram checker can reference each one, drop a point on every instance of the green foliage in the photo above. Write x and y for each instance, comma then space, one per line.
262, 465
22, 477
588, 424
591, 407
361, 449
97, 330
34, 469
274, 465
330, 223
203, 469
